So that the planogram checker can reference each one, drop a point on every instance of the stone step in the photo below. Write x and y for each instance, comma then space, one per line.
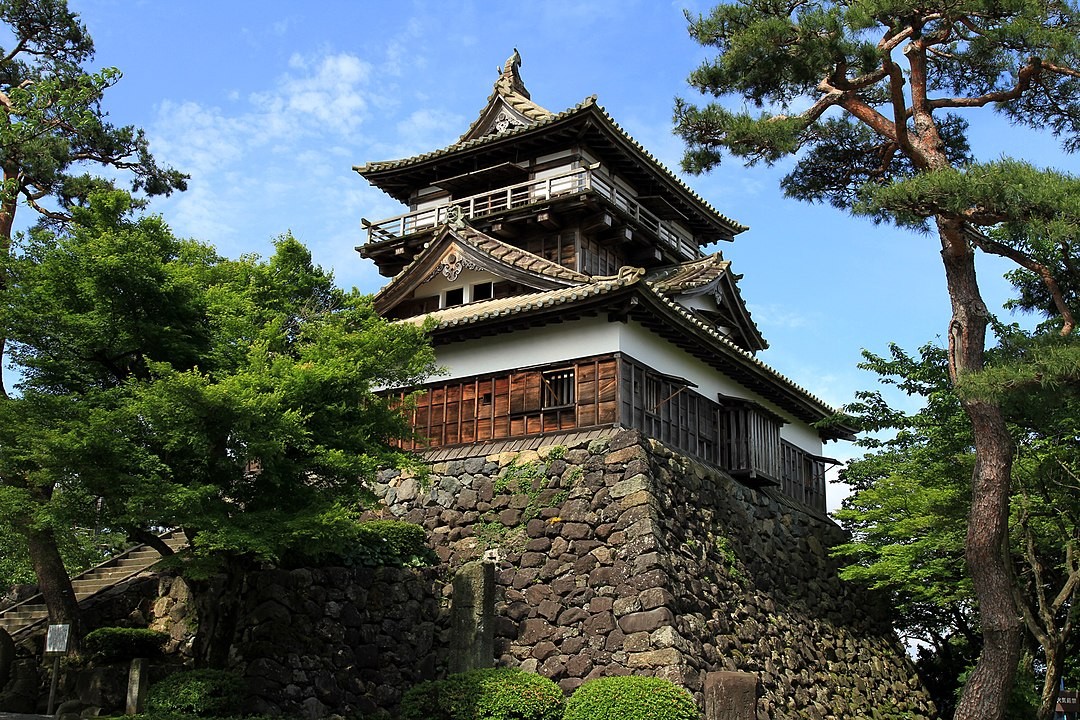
93, 581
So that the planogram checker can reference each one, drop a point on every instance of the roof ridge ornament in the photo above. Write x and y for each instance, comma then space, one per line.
510, 77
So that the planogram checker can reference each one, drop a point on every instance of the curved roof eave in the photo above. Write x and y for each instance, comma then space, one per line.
680, 325
588, 109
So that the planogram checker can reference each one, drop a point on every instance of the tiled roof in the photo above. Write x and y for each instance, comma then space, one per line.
697, 274
460, 315
496, 447
689, 275
510, 88
519, 258
381, 165
707, 329
493, 247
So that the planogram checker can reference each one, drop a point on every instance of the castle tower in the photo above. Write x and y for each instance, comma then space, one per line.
562, 267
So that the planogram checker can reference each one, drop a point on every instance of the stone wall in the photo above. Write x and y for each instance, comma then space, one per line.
616, 556
335, 640
611, 555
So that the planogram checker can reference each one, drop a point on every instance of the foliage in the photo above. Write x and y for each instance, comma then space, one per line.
866, 97
123, 643
203, 693
233, 398
908, 516
80, 548
631, 697
391, 543
54, 129
162, 385
54, 124
485, 694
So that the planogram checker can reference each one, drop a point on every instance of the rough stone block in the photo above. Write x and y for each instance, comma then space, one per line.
636, 642
600, 624
575, 531
730, 696
625, 455
629, 486
654, 658
572, 616
646, 621
655, 597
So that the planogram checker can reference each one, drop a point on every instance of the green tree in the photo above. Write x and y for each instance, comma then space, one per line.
52, 126
170, 387
883, 83
909, 510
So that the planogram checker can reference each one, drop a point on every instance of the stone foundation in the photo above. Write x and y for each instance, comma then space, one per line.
605, 556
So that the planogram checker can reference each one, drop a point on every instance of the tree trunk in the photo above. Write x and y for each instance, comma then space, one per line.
217, 603
987, 691
7, 221
145, 537
53, 581
1055, 665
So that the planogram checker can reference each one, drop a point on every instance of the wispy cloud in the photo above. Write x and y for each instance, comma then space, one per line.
777, 316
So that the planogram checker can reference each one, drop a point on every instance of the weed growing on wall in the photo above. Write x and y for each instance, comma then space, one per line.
530, 479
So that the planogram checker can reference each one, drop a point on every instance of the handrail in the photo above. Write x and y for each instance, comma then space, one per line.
530, 192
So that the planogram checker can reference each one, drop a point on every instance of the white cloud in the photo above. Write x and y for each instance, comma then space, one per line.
776, 316
328, 93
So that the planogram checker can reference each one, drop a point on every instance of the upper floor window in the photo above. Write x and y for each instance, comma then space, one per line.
558, 388
482, 291
454, 296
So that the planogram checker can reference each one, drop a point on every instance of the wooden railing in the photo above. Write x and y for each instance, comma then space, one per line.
531, 192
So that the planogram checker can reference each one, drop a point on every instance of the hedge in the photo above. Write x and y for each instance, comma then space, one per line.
485, 694
631, 697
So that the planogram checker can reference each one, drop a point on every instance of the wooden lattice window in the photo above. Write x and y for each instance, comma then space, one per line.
558, 388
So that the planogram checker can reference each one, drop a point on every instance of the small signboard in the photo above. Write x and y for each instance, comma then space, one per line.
57, 639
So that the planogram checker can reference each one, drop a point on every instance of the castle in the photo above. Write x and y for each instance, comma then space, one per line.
562, 268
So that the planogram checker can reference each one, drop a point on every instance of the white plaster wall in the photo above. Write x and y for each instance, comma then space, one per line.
596, 336
538, 346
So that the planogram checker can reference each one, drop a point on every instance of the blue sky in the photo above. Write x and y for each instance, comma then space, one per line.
269, 105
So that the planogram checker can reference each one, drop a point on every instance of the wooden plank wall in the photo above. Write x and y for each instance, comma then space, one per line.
668, 410
749, 442
610, 390
511, 405
803, 476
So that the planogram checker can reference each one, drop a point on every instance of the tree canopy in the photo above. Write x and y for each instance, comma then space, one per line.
169, 387
873, 100
53, 129
909, 509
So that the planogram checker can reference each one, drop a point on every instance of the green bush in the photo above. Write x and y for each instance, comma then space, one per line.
390, 543
486, 694
204, 693
633, 697
120, 643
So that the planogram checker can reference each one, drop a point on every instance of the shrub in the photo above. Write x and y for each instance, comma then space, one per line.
204, 693
633, 697
485, 694
391, 543
120, 643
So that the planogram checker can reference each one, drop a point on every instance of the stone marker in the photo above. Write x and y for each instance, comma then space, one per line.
137, 684
472, 611
730, 696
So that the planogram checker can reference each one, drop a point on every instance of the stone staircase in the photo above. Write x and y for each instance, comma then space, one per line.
113, 571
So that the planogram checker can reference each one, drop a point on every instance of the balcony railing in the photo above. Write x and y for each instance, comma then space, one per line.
529, 193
